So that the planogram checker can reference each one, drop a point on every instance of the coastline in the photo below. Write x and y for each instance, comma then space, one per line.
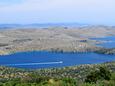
55, 39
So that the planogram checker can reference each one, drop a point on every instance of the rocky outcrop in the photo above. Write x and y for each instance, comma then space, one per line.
3, 52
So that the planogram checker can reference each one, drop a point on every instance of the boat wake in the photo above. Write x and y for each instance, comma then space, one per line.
41, 63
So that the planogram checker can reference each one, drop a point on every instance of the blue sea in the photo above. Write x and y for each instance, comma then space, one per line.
108, 42
44, 59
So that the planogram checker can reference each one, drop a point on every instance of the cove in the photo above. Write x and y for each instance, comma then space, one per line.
109, 41
43, 59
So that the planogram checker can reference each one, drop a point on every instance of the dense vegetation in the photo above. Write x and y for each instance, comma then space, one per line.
83, 75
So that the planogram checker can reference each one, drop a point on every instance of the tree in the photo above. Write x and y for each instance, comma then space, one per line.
102, 74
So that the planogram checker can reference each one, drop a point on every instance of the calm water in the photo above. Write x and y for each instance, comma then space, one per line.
109, 42
48, 59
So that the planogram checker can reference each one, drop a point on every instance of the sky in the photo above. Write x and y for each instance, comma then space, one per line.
100, 12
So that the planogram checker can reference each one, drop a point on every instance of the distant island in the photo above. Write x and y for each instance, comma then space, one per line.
55, 39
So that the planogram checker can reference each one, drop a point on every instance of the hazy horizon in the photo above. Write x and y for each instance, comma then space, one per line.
94, 12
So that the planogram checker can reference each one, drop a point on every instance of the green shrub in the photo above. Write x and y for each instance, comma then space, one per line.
69, 81
102, 74
113, 76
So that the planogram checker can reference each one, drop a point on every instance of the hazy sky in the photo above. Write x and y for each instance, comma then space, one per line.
54, 11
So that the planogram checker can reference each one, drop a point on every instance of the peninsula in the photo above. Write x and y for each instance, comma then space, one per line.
55, 39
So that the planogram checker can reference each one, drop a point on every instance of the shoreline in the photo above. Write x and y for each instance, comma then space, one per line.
98, 50
57, 39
